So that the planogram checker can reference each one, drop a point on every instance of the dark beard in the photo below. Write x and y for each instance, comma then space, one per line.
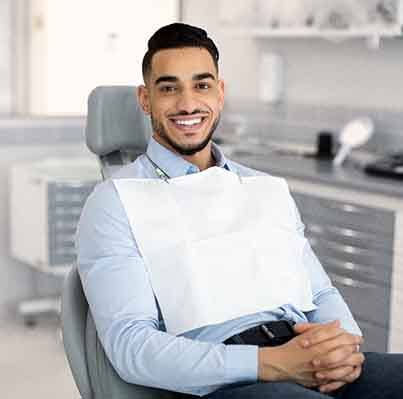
188, 150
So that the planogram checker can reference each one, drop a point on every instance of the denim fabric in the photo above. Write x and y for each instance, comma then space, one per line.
381, 378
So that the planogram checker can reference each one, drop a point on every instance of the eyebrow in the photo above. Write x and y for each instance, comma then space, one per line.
202, 76
166, 78
172, 79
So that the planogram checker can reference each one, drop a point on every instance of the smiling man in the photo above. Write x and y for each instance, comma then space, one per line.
196, 269
184, 98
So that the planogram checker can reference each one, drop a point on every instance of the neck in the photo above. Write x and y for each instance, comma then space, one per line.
203, 159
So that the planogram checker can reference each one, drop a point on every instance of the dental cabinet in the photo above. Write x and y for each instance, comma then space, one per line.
355, 226
46, 200
43, 237
358, 239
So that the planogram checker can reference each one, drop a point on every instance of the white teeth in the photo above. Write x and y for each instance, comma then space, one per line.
188, 122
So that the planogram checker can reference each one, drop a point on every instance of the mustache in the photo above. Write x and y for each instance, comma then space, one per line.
185, 113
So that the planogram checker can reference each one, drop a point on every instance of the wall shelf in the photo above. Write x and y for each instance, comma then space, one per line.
335, 21
263, 32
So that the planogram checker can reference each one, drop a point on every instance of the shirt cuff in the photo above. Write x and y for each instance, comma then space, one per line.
241, 363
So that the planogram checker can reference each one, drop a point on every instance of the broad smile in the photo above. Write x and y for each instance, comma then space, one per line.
188, 124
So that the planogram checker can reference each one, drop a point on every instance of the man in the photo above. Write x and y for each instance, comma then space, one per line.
185, 256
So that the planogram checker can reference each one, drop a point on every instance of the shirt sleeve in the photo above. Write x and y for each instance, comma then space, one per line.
120, 296
330, 304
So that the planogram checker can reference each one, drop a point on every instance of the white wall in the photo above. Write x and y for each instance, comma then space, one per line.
77, 45
348, 73
237, 57
5, 57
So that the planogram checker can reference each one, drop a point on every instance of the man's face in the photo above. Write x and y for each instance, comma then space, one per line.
184, 98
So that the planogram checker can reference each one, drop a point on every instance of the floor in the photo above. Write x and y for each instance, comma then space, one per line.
32, 362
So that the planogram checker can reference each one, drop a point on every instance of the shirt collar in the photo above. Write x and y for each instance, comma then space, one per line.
174, 165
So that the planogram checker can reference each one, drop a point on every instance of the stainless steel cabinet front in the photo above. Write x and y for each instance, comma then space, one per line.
355, 246
375, 337
65, 203
345, 214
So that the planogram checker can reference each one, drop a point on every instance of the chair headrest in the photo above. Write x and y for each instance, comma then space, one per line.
115, 121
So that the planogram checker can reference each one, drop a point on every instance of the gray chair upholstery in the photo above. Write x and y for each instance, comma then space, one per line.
94, 375
116, 128
74, 321
115, 121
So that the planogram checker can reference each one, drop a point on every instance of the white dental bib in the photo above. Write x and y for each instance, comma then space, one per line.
217, 246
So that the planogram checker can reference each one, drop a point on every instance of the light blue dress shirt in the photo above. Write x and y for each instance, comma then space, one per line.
126, 313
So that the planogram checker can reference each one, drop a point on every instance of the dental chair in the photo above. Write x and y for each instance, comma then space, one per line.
117, 132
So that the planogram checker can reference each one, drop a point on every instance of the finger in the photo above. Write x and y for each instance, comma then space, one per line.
300, 328
334, 357
348, 378
344, 339
336, 374
354, 375
303, 327
355, 360
317, 335
309, 384
332, 386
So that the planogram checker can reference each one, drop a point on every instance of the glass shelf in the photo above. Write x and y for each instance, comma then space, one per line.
261, 32
312, 18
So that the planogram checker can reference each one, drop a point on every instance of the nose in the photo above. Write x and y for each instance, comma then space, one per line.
187, 102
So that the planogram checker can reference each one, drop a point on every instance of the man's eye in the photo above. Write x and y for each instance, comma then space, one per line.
168, 89
203, 86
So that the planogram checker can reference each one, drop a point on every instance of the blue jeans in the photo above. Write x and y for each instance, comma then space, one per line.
381, 378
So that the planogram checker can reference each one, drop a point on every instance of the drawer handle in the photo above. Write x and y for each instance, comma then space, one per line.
69, 197
341, 231
65, 225
70, 211
364, 270
74, 184
347, 208
348, 265
348, 249
61, 238
349, 282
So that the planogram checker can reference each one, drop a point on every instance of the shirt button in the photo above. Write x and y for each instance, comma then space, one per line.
192, 169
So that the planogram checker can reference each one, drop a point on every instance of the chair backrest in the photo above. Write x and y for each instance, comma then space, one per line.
116, 131
94, 375
74, 320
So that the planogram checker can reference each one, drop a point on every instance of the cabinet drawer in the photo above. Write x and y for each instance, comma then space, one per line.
365, 257
367, 301
345, 214
375, 337
357, 271
65, 203
345, 236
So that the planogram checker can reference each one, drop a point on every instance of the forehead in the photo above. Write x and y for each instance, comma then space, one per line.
182, 63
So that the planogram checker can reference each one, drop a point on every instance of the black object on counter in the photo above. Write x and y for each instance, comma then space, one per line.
324, 145
390, 166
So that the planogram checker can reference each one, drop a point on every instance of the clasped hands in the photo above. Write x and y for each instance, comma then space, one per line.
322, 355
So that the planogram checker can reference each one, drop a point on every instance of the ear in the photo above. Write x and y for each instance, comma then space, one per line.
221, 88
143, 99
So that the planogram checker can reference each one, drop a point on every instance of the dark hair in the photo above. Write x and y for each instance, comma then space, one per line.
178, 35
